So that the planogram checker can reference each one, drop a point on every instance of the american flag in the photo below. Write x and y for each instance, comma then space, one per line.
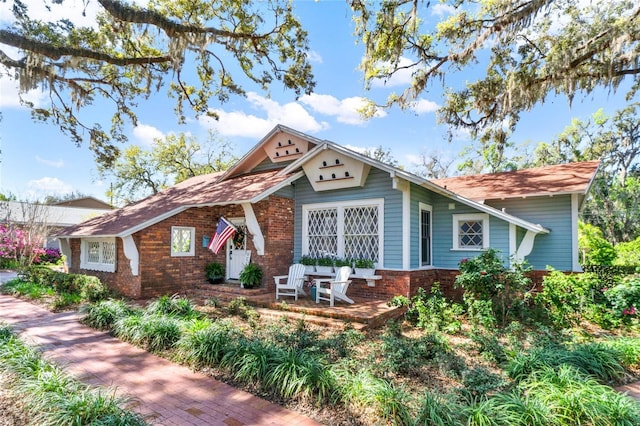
224, 231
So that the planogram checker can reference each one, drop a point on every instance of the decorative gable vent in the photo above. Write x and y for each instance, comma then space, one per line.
330, 170
284, 147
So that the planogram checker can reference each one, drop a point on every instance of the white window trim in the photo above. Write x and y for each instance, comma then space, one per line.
479, 217
97, 266
192, 243
425, 207
340, 206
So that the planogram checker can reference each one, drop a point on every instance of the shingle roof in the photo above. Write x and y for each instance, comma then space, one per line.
568, 178
198, 191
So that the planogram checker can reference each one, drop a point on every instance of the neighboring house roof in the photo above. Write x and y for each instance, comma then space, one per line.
52, 215
571, 178
85, 202
199, 191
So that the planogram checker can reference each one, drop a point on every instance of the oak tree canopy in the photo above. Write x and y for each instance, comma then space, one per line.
132, 52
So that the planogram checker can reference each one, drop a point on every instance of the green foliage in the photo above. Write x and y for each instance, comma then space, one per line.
596, 360
628, 253
624, 298
163, 50
594, 248
307, 260
364, 389
206, 346
431, 311
363, 263
104, 314
439, 410
52, 396
300, 373
175, 305
214, 270
87, 288
564, 296
503, 290
480, 383
574, 398
251, 275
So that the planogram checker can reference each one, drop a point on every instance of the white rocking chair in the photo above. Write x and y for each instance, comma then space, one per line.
294, 282
337, 287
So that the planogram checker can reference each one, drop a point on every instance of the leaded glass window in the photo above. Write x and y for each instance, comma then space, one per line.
346, 230
471, 231
182, 241
98, 254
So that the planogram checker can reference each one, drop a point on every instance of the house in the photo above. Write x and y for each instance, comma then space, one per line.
51, 218
293, 194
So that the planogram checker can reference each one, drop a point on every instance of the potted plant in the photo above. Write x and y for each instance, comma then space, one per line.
251, 276
324, 264
338, 262
364, 267
309, 262
215, 272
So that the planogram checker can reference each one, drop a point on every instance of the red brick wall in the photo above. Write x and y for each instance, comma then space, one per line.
121, 281
160, 273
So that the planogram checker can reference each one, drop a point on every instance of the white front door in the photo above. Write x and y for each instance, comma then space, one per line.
237, 254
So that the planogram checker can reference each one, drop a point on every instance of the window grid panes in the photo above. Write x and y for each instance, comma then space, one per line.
470, 234
108, 253
361, 233
347, 231
181, 240
323, 232
93, 252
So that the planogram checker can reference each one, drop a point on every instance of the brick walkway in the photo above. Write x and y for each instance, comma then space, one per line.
166, 392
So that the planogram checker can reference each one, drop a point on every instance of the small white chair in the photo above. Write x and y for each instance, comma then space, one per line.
294, 282
337, 287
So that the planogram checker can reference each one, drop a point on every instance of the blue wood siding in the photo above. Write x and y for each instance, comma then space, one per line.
378, 185
443, 255
554, 213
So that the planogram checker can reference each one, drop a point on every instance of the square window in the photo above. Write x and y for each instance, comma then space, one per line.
471, 232
182, 241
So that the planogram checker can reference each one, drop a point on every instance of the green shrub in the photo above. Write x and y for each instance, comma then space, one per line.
628, 253
174, 305
64, 300
250, 360
103, 315
364, 389
597, 360
486, 278
51, 396
298, 373
479, 383
624, 298
206, 346
565, 296
159, 332
92, 290
431, 311
439, 410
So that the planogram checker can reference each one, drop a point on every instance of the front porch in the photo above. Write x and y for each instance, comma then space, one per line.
363, 313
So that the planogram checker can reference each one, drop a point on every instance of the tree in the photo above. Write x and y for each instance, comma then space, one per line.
433, 165
23, 231
381, 155
132, 52
531, 48
141, 172
615, 194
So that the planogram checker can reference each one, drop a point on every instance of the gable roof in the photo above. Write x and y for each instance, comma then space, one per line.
199, 191
395, 172
570, 178
85, 202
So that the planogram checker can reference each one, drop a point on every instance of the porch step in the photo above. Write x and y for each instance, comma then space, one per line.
312, 319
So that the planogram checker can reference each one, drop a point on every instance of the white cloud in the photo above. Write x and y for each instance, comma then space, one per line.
73, 10
413, 159
147, 134
47, 186
345, 111
402, 77
314, 57
443, 9
52, 163
271, 113
424, 106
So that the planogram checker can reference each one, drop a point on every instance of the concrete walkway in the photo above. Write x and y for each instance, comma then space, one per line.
167, 393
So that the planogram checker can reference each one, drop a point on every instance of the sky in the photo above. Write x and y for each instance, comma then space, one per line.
38, 160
